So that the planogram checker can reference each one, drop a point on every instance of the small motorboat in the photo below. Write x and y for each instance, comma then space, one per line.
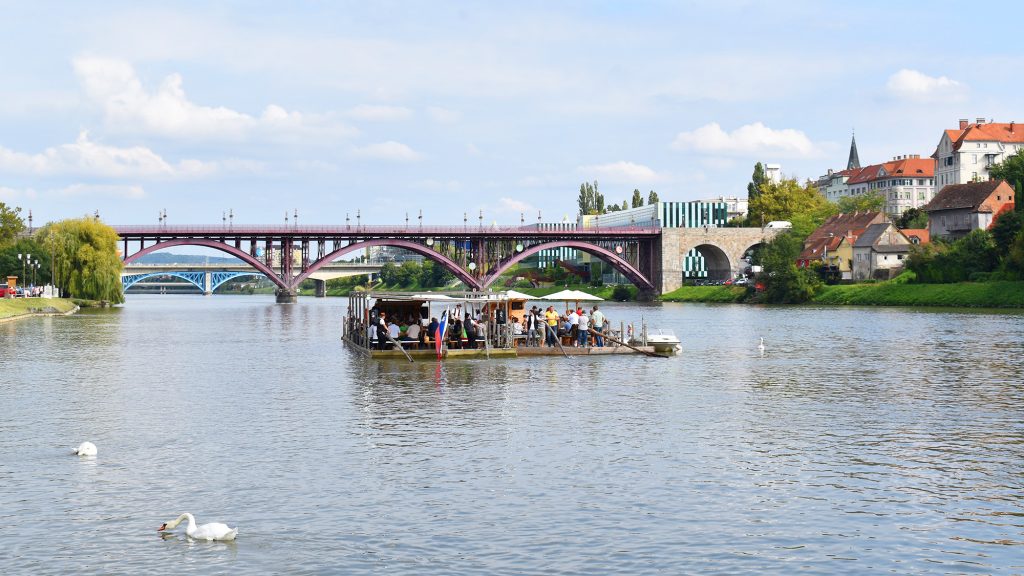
664, 341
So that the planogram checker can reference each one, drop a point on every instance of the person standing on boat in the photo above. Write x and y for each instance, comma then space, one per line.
551, 318
532, 325
597, 319
574, 321
470, 327
382, 330
583, 326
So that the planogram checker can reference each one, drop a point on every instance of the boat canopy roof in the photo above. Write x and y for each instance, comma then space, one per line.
447, 296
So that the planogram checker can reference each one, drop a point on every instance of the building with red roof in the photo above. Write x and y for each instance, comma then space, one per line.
960, 208
965, 154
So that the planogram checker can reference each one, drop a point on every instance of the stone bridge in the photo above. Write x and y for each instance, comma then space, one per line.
722, 248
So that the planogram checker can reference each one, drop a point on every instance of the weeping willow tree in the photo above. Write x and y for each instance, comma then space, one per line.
86, 263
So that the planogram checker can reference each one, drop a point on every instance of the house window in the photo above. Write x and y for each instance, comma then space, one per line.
899, 256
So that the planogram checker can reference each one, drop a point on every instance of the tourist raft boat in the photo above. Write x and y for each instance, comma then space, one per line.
420, 318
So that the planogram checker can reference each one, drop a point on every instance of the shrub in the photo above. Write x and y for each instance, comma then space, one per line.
622, 293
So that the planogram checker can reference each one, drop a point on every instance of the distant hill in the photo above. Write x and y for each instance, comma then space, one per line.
171, 258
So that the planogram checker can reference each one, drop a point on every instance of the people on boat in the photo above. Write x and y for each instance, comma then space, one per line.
573, 320
532, 327
597, 320
551, 319
469, 325
583, 329
382, 329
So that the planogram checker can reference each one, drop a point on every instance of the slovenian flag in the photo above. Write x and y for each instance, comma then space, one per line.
439, 335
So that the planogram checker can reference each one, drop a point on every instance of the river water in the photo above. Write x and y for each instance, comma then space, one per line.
862, 441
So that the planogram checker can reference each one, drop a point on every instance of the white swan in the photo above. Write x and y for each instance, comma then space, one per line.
760, 347
211, 531
86, 449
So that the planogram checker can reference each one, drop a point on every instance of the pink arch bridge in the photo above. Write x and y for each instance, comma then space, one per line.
477, 256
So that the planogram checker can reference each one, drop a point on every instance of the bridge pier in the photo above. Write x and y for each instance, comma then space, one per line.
207, 284
321, 288
287, 295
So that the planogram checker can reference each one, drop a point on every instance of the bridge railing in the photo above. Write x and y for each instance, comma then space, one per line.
341, 230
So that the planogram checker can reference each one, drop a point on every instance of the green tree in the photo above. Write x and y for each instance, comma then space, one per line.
388, 273
86, 263
1011, 169
590, 201
638, 200
785, 283
757, 179
11, 223
408, 273
652, 197
913, 218
1014, 261
870, 202
1005, 230
804, 206
625, 205
11, 265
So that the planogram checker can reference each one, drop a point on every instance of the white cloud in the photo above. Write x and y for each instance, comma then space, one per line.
379, 113
14, 194
85, 157
747, 141
472, 150
128, 106
442, 185
919, 87
131, 192
506, 205
628, 172
389, 150
442, 115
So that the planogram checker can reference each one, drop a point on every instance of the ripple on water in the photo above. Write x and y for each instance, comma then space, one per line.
861, 441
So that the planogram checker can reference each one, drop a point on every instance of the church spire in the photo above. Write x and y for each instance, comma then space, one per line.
854, 161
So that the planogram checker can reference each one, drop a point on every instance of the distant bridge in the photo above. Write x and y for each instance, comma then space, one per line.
208, 277
649, 256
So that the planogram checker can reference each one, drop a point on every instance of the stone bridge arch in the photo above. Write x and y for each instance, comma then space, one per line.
722, 248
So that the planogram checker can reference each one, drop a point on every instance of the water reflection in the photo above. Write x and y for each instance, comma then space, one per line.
861, 441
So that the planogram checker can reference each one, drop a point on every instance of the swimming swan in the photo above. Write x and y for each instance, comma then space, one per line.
211, 531
86, 449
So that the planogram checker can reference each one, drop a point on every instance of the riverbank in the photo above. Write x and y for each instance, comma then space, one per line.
16, 308
963, 294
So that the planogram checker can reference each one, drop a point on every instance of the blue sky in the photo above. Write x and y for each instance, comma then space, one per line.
389, 107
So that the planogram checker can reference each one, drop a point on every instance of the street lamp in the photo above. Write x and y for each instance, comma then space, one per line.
35, 271
24, 260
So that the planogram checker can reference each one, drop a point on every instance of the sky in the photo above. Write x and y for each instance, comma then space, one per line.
392, 108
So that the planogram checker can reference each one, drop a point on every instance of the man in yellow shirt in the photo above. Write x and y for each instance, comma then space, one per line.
551, 317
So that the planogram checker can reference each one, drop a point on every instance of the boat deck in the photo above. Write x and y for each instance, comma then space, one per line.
518, 352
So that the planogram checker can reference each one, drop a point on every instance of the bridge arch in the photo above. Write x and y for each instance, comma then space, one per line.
716, 261
627, 269
236, 252
448, 263
194, 278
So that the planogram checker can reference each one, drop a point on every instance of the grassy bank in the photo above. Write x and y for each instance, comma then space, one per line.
893, 293
10, 307
964, 294
718, 294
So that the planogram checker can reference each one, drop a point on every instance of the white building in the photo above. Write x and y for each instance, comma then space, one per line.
773, 172
905, 182
735, 206
965, 154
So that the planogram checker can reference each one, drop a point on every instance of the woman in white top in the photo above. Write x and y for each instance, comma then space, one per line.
584, 325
